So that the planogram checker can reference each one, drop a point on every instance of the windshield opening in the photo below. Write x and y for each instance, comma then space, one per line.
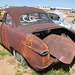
32, 18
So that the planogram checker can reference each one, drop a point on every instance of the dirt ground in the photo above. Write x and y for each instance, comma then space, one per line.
8, 66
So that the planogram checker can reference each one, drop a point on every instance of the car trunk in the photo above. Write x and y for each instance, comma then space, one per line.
59, 43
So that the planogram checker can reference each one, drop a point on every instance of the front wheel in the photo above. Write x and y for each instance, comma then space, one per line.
18, 57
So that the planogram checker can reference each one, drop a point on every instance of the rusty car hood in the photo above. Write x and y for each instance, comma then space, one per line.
61, 48
29, 29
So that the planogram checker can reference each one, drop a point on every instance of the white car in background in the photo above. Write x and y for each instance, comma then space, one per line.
63, 19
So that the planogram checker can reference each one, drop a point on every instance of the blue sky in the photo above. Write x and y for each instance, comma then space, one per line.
51, 3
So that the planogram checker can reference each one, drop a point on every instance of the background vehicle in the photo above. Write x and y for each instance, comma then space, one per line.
64, 19
1, 15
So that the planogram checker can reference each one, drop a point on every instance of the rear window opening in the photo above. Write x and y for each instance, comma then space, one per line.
33, 18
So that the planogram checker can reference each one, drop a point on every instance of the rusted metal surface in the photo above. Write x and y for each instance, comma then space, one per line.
35, 50
17, 11
61, 48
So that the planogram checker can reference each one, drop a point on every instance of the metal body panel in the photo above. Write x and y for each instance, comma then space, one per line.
36, 27
61, 48
5, 35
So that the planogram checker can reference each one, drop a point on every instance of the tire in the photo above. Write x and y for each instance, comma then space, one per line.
18, 57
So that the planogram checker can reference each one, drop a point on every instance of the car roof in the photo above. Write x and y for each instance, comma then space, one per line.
22, 10
15, 12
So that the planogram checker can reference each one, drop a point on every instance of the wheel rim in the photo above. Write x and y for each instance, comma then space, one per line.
18, 57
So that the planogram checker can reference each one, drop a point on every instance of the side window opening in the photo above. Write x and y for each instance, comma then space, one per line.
8, 20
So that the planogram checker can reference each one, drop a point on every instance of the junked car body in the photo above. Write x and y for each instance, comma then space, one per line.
64, 19
31, 35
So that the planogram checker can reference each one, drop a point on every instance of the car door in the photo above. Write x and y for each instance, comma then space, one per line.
6, 30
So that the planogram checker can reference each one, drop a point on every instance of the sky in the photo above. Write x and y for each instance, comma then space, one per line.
51, 3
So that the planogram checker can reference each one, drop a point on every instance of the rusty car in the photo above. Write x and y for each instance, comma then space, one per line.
32, 36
